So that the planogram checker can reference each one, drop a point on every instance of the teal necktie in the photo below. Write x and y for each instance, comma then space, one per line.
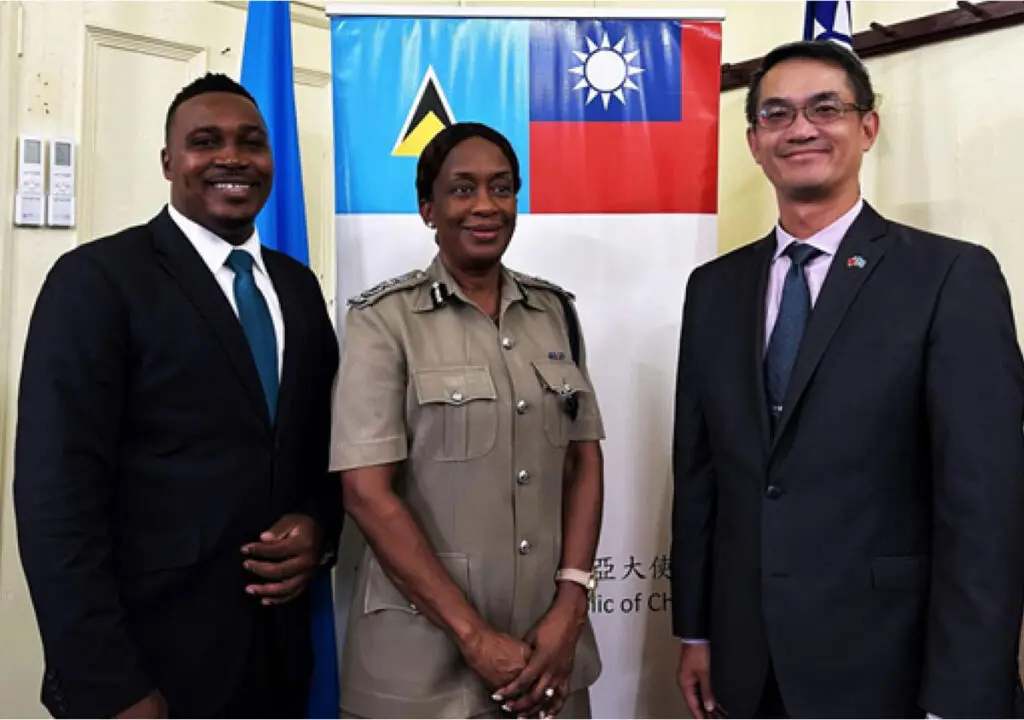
257, 325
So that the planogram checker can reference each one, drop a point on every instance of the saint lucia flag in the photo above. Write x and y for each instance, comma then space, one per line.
829, 20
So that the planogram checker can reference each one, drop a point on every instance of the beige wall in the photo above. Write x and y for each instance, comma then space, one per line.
947, 159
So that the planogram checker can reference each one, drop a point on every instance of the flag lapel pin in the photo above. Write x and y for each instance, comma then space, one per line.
857, 261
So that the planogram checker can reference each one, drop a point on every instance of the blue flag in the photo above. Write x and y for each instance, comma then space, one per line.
829, 20
267, 73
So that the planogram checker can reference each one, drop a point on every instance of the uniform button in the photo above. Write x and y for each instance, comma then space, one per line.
774, 492
523, 478
457, 396
521, 407
507, 343
525, 547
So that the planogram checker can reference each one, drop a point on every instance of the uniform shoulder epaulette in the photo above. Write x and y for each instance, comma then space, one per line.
537, 282
382, 289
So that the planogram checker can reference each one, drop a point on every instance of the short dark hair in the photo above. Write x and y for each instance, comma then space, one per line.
210, 82
438, 149
824, 51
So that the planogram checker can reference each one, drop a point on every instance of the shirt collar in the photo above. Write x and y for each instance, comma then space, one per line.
827, 240
214, 250
510, 290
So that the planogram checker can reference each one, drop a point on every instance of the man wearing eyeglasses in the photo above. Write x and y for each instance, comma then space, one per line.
849, 456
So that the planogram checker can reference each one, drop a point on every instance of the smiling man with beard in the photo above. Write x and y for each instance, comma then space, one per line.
171, 483
849, 460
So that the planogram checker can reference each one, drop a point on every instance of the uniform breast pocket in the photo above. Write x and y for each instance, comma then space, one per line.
459, 407
566, 393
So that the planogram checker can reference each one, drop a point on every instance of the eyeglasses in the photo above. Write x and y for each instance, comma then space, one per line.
780, 115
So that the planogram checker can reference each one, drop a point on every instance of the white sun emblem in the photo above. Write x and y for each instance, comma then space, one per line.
606, 70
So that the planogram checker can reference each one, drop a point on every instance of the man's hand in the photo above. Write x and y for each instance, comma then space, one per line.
541, 688
151, 706
495, 656
287, 555
695, 679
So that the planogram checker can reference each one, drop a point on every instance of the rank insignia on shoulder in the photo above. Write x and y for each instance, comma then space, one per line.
533, 281
370, 296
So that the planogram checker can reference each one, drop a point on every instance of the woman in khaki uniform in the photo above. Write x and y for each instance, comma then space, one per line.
468, 436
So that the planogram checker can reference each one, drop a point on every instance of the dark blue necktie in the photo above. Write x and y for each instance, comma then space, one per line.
257, 325
794, 311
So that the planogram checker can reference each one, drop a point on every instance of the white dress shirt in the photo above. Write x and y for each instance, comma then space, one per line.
214, 251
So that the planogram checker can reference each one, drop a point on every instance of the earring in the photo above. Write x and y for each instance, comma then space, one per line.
430, 225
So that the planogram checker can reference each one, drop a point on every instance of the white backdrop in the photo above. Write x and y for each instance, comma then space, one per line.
628, 272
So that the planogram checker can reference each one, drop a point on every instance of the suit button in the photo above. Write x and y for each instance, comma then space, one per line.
774, 492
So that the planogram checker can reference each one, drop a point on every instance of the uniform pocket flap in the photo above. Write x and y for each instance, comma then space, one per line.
561, 376
454, 385
381, 594
907, 572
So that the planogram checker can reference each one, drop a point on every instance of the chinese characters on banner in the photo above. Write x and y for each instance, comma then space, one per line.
612, 570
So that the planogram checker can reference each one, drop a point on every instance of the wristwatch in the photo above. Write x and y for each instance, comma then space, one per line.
587, 580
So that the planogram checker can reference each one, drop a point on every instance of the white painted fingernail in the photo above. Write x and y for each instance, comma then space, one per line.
496, 697
709, 706
506, 708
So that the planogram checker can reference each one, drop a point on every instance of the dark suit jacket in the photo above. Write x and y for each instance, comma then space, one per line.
873, 549
145, 460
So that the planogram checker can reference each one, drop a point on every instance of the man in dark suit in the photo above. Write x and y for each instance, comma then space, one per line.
171, 483
849, 482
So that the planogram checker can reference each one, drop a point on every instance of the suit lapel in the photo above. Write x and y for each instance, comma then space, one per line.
183, 263
757, 280
294, 330
864, 240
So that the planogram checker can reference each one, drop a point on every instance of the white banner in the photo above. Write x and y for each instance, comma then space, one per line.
615, 122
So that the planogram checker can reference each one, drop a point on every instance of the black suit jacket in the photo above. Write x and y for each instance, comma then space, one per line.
872, 548
145, 459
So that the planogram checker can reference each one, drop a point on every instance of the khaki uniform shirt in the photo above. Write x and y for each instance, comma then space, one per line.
474, 413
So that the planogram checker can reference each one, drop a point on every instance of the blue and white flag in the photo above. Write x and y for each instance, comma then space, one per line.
829, 20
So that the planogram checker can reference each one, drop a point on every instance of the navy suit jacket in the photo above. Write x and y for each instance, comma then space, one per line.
145, 460
872, 549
